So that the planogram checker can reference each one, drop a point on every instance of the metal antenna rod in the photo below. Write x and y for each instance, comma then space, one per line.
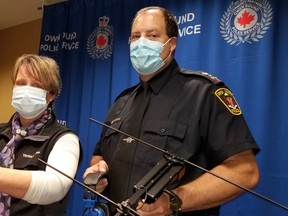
195, 165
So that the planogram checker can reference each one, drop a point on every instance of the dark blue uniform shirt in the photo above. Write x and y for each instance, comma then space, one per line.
190, 114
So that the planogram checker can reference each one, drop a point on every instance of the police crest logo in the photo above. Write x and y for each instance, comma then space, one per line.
100, 41
246, 21
227, 98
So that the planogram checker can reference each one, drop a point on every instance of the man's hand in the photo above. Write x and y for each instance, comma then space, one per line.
159, 208
100, 167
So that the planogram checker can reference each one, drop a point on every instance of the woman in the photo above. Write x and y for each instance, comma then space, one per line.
27, 186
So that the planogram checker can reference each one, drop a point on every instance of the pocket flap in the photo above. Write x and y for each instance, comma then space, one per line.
166, 128
116, 125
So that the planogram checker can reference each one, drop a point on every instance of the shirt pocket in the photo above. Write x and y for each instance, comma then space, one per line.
167, 135
167, 128
110, 140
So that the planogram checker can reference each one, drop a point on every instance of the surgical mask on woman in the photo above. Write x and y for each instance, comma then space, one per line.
145, 55
29, 101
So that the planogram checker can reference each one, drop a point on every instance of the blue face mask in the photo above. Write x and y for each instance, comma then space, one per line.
29, 101
145, 55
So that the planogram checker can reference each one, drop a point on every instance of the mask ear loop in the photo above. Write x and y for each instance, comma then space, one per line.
50, 106
170, 50
167, 57
164, 60
167, 41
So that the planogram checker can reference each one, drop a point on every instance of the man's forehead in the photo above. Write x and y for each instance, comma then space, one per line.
149, 20
154, 12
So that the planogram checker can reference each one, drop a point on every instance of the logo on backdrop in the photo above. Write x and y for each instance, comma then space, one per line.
246, 21
100, 41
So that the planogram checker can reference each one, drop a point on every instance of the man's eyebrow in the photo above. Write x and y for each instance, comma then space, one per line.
146, 31
152, 30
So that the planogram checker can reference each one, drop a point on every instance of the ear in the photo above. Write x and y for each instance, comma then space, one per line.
50, 97
173, 43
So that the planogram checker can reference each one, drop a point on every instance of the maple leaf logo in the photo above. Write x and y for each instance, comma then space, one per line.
101, 41
245, 19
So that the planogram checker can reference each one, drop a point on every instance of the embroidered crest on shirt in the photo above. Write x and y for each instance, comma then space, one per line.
227, 98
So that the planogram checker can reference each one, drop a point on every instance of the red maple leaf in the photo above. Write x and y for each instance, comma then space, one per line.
101, 41
245, 19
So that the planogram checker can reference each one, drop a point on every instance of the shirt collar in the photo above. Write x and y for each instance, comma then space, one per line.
159, 81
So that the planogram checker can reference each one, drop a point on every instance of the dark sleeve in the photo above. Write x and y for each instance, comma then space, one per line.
227, 132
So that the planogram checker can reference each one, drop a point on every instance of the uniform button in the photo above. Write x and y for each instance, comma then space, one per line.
162, 130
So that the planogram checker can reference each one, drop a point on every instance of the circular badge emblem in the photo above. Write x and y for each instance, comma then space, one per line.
246, 21
100, 41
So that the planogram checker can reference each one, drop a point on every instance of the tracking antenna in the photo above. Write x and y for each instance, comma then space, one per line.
121, 208
192, 164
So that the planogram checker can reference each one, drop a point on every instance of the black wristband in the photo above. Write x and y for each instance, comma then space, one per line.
175, 202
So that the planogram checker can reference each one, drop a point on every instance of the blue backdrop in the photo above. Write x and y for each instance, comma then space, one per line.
244, 43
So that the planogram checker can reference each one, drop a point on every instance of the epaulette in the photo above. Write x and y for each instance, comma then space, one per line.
206, 75
131, 89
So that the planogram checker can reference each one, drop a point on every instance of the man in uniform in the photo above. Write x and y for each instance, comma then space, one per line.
193, 115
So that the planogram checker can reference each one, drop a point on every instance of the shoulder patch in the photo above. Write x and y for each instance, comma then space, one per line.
227, 98
206, 75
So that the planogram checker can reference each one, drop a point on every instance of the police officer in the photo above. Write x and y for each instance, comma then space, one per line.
190, 114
